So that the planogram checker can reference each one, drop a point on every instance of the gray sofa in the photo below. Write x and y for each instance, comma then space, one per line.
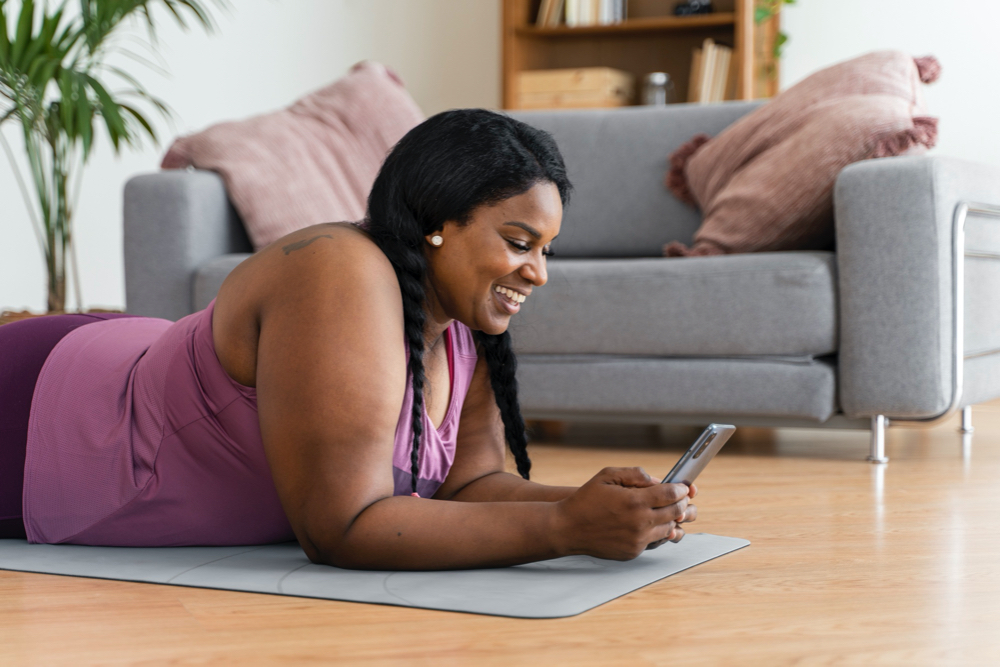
902, 322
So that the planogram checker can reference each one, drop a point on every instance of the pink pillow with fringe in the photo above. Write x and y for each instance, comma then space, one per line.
313, 162
766, 182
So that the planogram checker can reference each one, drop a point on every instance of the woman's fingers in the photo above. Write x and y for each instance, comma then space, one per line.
662, 495
690, 514
653, 545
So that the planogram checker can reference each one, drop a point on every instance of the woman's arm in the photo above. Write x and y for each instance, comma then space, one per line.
477, 473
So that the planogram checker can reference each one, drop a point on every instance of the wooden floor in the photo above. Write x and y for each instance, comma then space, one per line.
849, 563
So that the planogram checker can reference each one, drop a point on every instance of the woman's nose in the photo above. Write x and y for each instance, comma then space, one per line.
535, 271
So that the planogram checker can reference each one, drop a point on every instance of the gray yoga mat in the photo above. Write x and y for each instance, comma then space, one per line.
549, 589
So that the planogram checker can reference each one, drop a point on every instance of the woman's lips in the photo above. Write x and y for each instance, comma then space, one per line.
506, 301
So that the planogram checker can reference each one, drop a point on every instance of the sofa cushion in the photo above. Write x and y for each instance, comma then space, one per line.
616, 159
766, 182
698, 390
312, 162
760, 304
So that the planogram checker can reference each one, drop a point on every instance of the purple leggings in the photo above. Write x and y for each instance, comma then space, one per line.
24, 346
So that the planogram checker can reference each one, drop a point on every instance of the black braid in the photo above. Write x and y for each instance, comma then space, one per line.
441, 171
412, 286
502, 362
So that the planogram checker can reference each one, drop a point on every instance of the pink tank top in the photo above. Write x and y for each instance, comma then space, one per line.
139, 437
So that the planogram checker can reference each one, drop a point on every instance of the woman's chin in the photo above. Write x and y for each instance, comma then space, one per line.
494, 326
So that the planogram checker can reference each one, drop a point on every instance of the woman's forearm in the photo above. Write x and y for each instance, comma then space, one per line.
404, 533
505, 487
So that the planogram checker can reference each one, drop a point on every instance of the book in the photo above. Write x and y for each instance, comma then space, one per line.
707, 70
541, 20
556, 14
694, 80
592, 12
711, 77
572, 13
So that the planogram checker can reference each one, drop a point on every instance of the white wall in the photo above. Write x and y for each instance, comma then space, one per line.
268, 52
961, 33
265, 54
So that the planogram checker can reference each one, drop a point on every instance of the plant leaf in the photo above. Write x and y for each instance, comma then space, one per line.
109, 110
24, 28
142, 121
4, 39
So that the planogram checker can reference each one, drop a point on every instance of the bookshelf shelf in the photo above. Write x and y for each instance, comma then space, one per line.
649, 40
648, 24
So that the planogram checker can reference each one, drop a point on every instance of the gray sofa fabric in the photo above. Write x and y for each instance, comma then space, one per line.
758, 304
617, 160
605, 386
895, 229
175, 221
209, 276
777, 338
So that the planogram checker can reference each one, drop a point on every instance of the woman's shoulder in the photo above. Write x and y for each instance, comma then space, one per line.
315, 259
346, 242
304, 282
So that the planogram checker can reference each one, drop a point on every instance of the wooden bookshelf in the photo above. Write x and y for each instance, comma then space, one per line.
650, 40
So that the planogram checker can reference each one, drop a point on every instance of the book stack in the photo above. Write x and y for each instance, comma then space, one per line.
551, 13
578, 88
711, 73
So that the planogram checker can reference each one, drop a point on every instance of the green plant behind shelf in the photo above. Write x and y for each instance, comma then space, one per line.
55, 81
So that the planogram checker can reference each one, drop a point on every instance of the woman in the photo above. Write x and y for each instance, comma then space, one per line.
351, 388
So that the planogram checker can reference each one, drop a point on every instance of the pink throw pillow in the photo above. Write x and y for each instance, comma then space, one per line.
766, 182
312, 162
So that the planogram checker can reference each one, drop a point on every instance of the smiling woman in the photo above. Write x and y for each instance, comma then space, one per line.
352, 387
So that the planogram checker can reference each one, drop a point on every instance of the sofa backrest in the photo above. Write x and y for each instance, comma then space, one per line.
617, 160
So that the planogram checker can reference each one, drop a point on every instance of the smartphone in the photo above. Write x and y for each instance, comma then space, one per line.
699, 454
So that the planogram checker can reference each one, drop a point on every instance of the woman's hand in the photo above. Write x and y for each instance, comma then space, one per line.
620, 512
690, 514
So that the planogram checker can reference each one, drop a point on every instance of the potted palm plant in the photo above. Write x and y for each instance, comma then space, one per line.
57, 84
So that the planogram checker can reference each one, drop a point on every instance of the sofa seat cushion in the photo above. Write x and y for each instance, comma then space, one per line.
761, 304
700, 390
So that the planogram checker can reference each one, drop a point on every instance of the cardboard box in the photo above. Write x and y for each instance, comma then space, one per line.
584, 87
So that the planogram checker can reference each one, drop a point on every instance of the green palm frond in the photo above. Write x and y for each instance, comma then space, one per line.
55, 81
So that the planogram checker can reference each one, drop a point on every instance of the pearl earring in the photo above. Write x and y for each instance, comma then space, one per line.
437, 240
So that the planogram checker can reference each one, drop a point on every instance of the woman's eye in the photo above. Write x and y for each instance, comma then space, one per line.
549, 253
522, 248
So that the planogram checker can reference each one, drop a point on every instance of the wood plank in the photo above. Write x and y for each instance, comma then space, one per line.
744, 49
850, 563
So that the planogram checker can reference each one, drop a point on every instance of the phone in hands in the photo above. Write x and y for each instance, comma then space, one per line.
698, 455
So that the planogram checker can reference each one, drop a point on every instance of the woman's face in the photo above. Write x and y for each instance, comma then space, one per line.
485, 269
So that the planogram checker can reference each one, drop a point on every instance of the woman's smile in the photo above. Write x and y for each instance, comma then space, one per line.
510, 300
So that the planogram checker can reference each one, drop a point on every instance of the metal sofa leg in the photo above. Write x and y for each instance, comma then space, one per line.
967, 420
876, 453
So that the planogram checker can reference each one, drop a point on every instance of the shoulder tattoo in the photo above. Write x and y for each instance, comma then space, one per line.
298, 245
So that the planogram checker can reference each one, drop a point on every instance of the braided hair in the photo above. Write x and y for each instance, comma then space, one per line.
442, 170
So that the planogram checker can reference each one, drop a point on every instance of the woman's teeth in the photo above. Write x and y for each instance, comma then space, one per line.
516, 297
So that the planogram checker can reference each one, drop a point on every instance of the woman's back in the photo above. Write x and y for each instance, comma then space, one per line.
140, 436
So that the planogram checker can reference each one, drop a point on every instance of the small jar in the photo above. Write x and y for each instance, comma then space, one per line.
657, 89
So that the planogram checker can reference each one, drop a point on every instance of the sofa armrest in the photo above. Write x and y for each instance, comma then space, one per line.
174, 222
896, 256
